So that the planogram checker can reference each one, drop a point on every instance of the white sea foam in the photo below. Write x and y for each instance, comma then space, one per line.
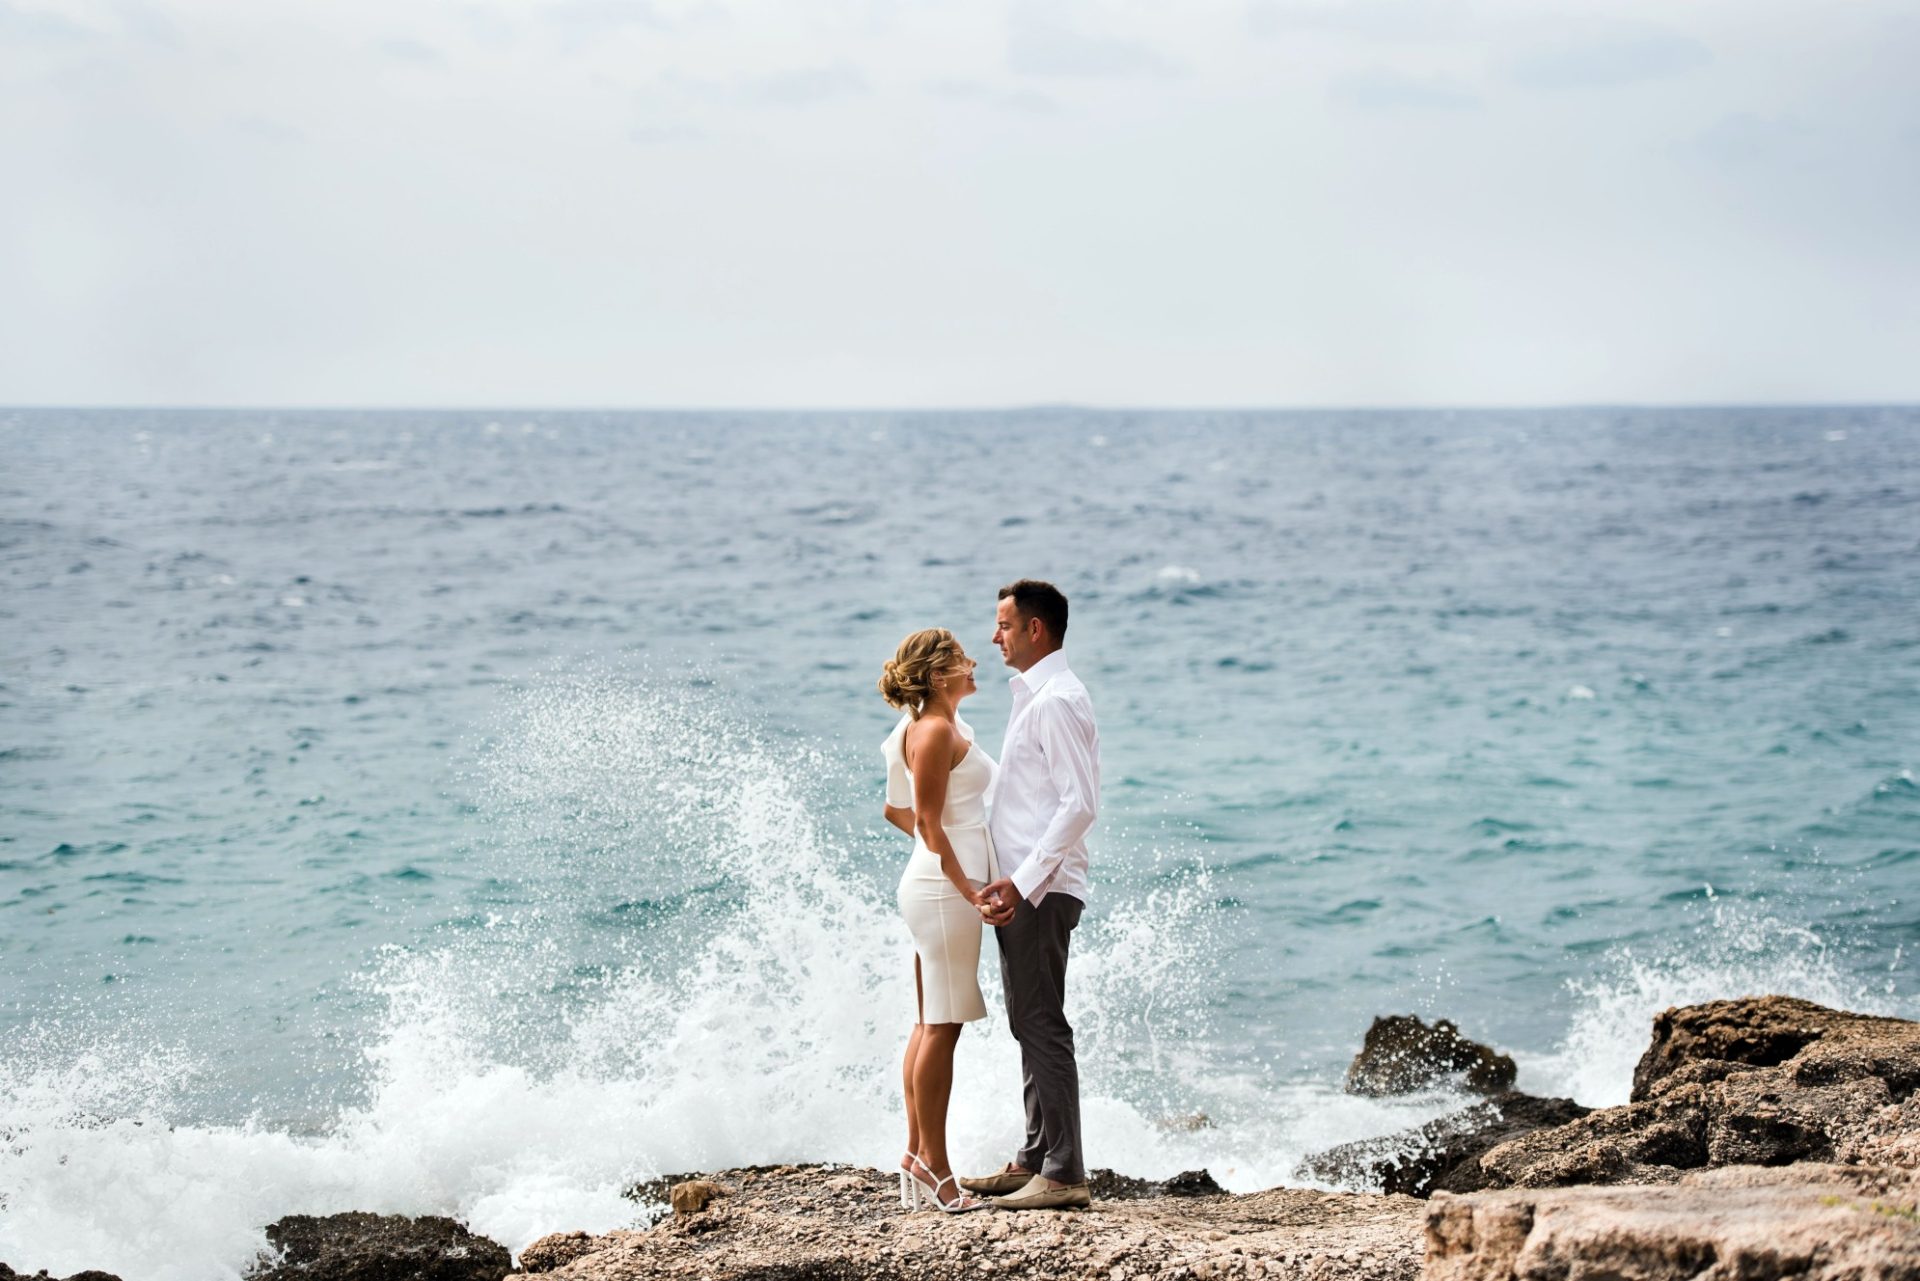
1735, 949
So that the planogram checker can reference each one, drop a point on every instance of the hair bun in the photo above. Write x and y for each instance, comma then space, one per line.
906, 679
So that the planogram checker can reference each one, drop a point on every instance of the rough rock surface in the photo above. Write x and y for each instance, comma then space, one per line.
1442, 1155
1403, 1054
1109, 1186
1757, 1081
1741, 1223
379, 1247
692, 1195
8, 1274
1823, 1046
836, 1222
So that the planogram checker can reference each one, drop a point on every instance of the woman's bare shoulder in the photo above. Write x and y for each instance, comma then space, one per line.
930, 733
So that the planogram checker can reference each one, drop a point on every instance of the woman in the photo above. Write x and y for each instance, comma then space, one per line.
937, 780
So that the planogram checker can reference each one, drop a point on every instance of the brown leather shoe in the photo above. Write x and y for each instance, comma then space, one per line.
1010, 1178
1039, 1194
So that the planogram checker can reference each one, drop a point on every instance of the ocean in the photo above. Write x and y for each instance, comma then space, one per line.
479, 812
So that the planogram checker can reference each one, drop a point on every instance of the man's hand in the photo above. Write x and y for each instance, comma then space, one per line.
999, 901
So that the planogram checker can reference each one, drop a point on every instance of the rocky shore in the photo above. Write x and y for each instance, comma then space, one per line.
1766, 1137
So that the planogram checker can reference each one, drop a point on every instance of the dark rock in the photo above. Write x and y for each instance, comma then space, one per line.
556, 1250
8, 1274
1761, 1081
1825, 1047
1443, 1154
1192, 1183
1402, 1054
1105, 1185
380, 1247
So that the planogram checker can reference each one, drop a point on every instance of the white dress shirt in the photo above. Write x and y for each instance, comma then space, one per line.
1047, 792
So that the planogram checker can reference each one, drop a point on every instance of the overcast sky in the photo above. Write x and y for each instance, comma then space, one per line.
958, 202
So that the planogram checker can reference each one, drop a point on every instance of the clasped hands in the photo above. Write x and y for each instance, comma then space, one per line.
997, 901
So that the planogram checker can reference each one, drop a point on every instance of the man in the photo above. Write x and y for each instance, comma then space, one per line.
1043, 800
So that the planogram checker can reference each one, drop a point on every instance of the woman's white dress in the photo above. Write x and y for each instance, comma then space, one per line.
945, 927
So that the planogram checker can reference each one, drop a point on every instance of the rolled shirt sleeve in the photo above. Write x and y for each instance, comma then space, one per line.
1071, 747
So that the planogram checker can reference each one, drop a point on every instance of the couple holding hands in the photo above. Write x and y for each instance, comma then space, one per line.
1002, 845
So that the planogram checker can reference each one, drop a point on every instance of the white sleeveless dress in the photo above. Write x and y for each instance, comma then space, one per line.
945, 927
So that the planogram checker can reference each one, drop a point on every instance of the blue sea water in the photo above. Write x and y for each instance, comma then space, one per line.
474, 812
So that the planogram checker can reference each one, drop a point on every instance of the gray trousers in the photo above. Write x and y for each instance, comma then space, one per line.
1033, 970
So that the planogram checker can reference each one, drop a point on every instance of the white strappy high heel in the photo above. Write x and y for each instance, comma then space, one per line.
962, 1203
909, 1186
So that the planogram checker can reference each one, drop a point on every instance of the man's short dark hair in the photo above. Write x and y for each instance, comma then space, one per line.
1035, 599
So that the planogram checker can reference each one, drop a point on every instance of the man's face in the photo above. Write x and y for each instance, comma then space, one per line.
1012, 635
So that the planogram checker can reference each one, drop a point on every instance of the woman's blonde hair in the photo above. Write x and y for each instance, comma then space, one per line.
907, 679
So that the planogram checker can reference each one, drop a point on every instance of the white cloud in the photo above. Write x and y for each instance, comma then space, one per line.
1042, 40
28, 22
1394, 21
807, 85
406, 50
1607, 60
1381, 90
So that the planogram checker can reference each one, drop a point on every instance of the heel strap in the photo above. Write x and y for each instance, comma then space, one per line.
959, 1197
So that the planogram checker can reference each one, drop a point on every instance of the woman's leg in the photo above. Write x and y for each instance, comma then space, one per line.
932, 1085
906, 1074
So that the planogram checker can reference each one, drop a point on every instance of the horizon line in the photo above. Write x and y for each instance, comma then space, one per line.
1055, 407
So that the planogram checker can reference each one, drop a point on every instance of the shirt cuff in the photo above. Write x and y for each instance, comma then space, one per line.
1030, 881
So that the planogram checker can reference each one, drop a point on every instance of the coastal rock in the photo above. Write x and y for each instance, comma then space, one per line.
1757, 1081
692, 1196
379, 1247
8, 1274
1442, 1155
555, 1250
1824, 1046
1808, 1223
1402, 1054
1109, 1186
842, 1222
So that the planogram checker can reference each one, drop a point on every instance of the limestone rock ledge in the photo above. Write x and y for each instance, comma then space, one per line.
1737, 1223
828, 1222
1765, 1080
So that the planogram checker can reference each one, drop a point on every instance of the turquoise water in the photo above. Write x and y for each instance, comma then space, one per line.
472, 811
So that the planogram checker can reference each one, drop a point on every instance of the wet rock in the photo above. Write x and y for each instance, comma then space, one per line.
357, 1246
1443, 1154
555, 1250
1402, 1054
1825, 1045
1107, 1185
1763, 1081
1808, 1223
8, 1274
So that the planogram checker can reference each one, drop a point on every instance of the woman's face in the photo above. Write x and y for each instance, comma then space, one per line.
959, 678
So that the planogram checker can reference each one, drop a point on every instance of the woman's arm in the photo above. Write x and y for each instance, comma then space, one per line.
900, 817
932, 741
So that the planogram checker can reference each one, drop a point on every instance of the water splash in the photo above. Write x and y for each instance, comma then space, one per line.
754, 1012
1735, 949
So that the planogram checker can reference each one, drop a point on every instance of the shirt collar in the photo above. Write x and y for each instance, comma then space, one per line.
1040, 673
